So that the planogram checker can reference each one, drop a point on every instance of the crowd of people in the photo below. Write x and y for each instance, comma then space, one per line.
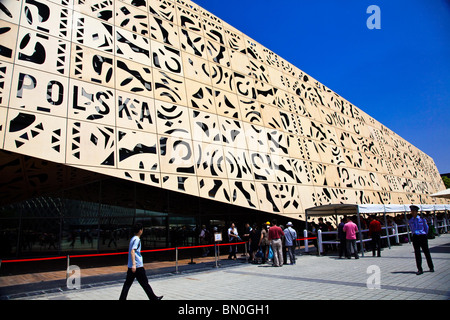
276, 244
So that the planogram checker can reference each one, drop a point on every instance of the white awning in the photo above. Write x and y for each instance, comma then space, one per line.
352, 209
442, 194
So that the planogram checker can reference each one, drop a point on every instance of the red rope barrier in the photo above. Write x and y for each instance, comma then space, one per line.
34, 259
144, 251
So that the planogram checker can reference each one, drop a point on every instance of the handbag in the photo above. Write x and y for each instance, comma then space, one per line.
259, 253
270, 255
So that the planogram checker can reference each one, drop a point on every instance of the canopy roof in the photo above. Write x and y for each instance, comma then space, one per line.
350, 209
442, 194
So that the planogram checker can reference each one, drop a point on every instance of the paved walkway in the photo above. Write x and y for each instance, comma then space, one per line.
313, 277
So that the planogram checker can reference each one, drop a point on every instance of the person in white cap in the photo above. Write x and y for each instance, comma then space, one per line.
290, 240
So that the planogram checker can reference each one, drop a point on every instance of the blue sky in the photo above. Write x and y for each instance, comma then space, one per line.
399, 74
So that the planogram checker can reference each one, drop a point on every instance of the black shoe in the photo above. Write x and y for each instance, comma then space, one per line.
419, 272
431, 270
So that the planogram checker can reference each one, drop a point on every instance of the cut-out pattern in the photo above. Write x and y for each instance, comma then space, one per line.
164, 93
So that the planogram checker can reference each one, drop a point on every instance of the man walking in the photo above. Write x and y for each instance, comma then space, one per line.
136, 267
419, 230
275, 234
350, 229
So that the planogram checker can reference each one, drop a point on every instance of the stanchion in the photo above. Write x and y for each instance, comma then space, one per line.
176, 260
319, 241
305, 235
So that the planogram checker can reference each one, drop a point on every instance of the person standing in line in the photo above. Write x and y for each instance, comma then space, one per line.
290, 238
254, 242
232, 237
136, 267
275, 235
375, 234
350, 229
419, 230
342, 240
204, 240
264, 241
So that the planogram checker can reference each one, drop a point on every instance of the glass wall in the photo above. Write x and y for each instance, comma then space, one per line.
97, 217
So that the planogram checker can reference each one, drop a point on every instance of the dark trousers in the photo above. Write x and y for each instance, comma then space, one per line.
143, 281
376, 243
342, 248
421, 242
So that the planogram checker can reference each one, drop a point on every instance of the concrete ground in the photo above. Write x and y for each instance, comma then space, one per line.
389, 277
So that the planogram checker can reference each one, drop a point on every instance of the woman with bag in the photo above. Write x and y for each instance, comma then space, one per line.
254, 240
264, 241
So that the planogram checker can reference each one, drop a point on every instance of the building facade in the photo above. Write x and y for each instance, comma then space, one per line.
109, 109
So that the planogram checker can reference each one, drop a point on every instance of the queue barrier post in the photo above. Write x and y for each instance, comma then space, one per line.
305, 235
176, 260
319, 241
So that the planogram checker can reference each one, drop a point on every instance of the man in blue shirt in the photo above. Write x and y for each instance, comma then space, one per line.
419, 230
136, 267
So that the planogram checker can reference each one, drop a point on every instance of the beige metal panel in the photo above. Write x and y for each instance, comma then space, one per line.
150, 178
239, 61
271, 117
126, 16
210, 160
173, 120
217, 53
256, 137
196, 68
169, 87
180, 183
93, 66
227, 104
233, 134
222, 78
103, 10
8, 39
90, 144
176, 155
269, 197
135, 112
3, 112
163, 9
137, 151
166, 58
164, 31
205, 127
243, 193
238, 164
214, 189
46, 17
235, 40
200, 96
91, 102
38, 91
43, 52
131, 46
189, 19
37, 135
250, 110
263, 166
6, 70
